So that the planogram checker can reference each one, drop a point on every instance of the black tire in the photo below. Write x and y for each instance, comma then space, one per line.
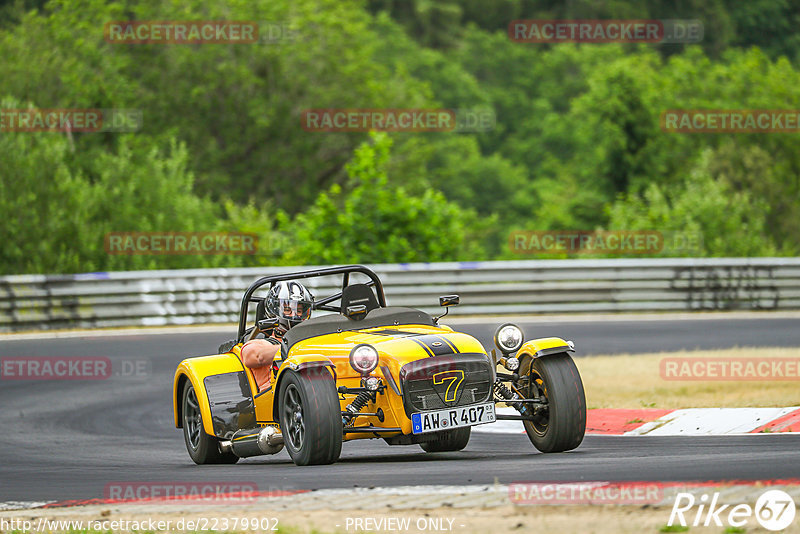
203, 449
562, 426
448, 441
310, 418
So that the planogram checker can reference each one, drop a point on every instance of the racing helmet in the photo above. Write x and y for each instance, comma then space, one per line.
290, 302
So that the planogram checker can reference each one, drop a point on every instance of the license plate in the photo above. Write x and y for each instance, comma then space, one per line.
453, 418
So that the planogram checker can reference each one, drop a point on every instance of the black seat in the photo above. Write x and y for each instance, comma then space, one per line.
358, 295
261, 310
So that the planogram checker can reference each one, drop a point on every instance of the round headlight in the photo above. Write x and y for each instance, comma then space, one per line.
508, 338
364, 358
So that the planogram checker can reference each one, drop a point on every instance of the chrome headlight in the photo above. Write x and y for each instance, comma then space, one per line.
364, 358
508, 338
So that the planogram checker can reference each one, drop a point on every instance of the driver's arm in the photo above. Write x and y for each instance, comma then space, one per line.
259, 352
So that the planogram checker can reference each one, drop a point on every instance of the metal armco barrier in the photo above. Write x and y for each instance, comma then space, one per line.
201, 296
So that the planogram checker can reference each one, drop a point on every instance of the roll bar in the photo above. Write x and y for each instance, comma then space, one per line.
321, 304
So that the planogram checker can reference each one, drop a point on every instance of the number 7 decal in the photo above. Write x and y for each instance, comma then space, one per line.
455, 377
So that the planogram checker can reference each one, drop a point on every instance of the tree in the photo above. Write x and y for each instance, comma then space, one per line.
732, 223
58, 212
375, 221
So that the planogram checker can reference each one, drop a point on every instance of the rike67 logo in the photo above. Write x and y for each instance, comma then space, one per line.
774, 510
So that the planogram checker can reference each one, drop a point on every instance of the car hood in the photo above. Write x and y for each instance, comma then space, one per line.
396, 345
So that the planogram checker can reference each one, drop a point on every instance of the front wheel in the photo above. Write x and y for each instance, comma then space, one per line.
203, 449
562, 424
448, 441
310, 418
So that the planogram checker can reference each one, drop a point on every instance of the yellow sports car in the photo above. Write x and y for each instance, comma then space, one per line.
366, 370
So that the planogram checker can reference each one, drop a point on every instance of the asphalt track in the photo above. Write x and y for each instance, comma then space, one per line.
66, 440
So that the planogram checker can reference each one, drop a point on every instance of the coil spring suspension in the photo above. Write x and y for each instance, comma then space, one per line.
502, 391
357, 405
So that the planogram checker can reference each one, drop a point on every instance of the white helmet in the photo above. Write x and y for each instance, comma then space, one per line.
290, 302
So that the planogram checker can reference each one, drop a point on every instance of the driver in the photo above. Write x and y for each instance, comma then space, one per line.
291, 304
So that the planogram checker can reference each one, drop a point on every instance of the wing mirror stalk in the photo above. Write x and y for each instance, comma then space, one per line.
446, 301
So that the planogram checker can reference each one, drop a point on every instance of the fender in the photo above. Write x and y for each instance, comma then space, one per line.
197, 370
536, 348
300, 363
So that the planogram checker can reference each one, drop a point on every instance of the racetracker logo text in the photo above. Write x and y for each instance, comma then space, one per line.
76, 368
745, 369
731, 121
180, 243
70, 120
398, 120
523, 493
606, 31
205, 492
602, 242
181, 32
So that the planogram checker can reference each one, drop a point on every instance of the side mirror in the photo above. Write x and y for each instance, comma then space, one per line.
356, 312
448, 300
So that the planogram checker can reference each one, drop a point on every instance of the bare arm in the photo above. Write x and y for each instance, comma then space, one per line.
259, 353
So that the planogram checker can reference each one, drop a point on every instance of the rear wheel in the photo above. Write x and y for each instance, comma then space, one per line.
561, 426
447, 441
203, 449
310, 418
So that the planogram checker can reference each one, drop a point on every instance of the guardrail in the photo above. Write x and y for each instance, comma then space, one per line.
512, 287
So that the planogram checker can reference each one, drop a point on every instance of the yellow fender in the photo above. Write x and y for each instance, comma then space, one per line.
196, 370
299, 363
536, 348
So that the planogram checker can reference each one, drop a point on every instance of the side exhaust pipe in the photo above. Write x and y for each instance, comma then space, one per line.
254, 442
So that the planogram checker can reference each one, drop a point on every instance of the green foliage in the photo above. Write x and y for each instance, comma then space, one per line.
40, 216
57, 212
731, 223
375, 221
237, 107
577, 143
769, 24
